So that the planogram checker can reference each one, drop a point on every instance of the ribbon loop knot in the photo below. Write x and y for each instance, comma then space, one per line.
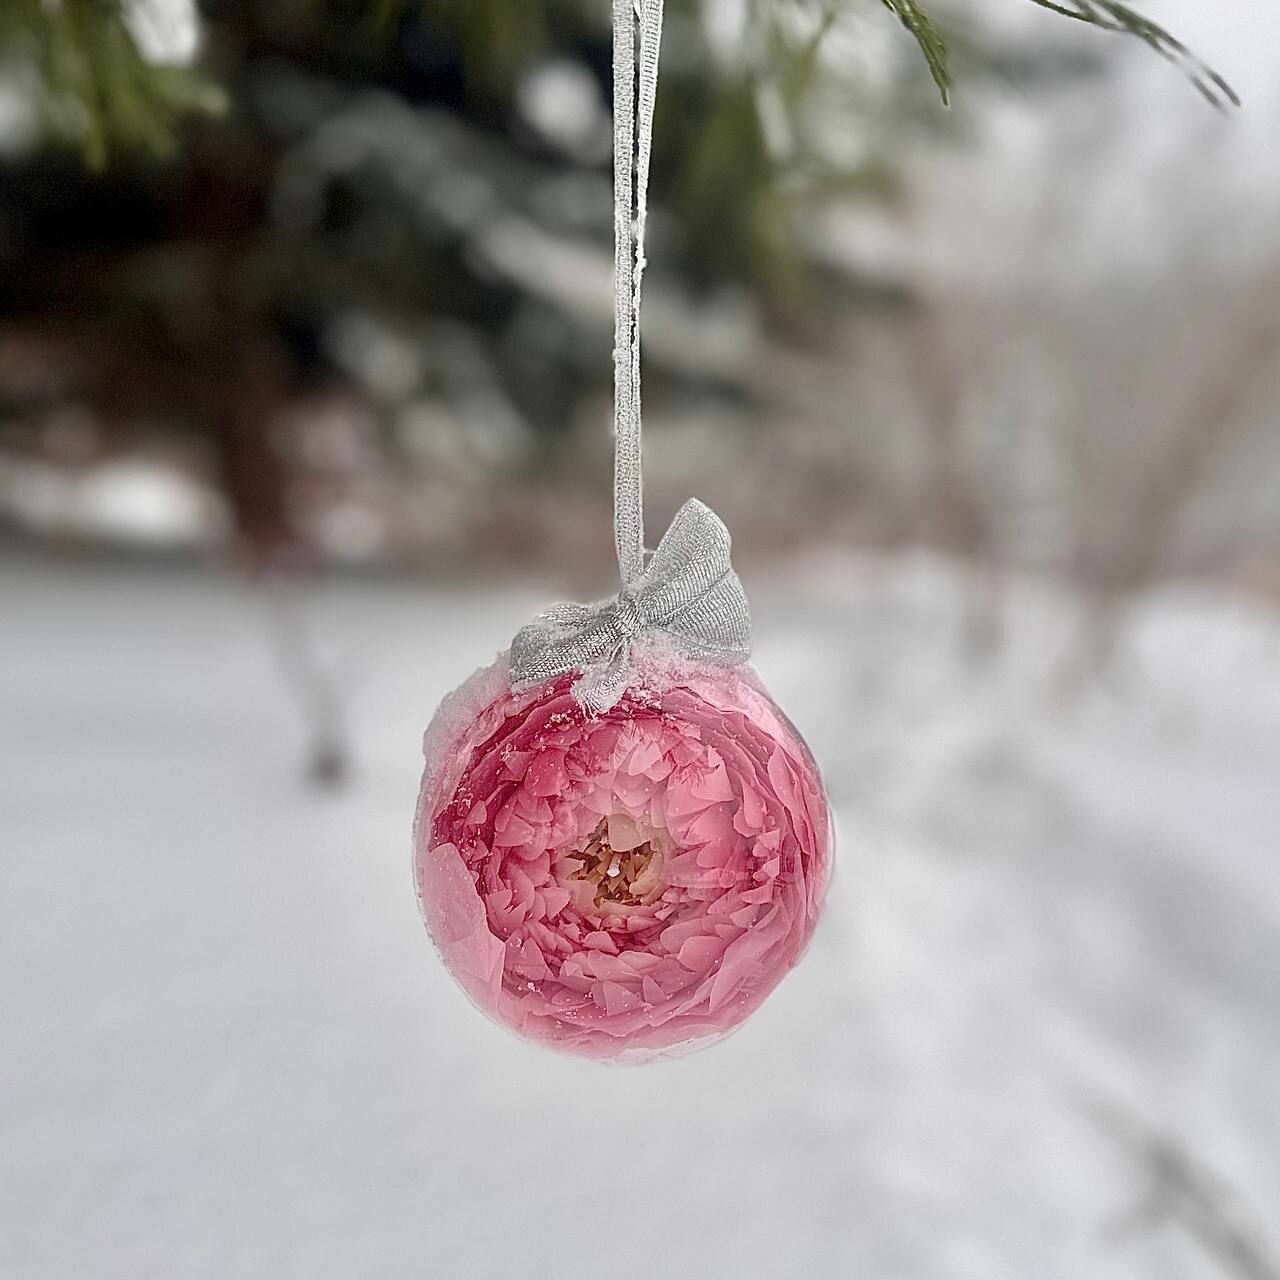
627, 618
688, 591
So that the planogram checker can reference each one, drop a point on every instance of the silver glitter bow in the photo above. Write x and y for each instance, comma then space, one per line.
688, 591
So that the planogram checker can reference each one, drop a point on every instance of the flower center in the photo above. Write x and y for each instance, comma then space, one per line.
621, 877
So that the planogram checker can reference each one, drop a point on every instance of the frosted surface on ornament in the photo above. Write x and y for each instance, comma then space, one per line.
625, 885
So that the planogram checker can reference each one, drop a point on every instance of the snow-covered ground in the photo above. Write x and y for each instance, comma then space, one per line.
1046, 994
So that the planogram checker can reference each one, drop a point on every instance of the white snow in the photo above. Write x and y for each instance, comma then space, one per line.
229, 1051
167, 31
126, 501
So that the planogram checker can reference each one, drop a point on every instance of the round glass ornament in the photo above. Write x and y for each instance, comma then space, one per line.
623, 884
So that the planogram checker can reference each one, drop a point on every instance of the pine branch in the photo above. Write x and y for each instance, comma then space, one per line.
1111, 16
101, 94
97, 90
1107, 15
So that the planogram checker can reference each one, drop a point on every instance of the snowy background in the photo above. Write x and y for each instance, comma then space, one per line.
1016, 579
1038, 1033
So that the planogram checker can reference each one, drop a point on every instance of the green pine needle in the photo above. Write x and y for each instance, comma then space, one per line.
1111, 16
932, 46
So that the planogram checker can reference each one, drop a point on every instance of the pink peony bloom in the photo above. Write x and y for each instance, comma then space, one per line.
626, 884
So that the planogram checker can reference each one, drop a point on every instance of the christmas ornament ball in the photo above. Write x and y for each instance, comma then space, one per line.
623, 884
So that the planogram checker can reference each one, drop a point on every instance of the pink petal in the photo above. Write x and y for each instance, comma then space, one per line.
646, 754
554, 899
714, 824
741, 959
674, 936
699, 954
712, 784
515, 832
515, 763
617, 999
546, 774
456, 918
533, 809
750, 816
682, 801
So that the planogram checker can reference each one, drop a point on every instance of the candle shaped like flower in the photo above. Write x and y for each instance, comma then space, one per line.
626, 883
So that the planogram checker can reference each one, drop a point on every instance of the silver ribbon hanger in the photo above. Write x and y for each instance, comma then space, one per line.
687, 588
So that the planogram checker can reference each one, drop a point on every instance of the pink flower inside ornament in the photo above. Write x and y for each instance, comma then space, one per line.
628, 883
